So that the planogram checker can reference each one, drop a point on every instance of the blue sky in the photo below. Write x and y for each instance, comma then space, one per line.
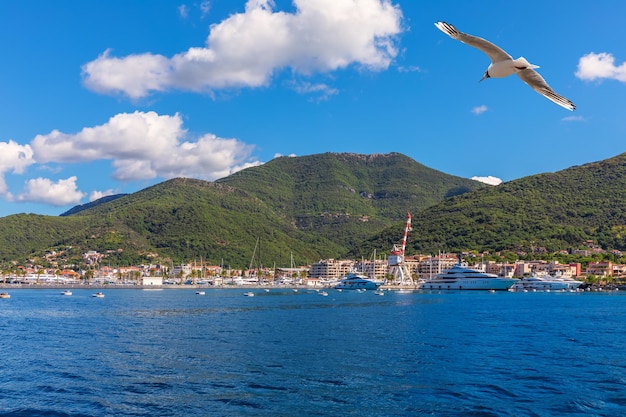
112, 97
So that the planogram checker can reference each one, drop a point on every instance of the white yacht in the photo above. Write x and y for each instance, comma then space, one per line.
546, 283
354, 281
461, 277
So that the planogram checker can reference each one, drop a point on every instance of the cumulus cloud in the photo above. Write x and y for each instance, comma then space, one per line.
43, 190
13, 158
247, 49
145, 145
488, 180
478, 110
598, 66
96, 195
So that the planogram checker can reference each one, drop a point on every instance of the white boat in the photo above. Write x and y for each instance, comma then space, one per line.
248, 294
98, 295
354, 281
323, 293
461, 277
546, 283
5, 295
66, 292
200, 292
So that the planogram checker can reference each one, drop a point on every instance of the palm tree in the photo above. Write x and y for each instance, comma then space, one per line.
5, 272
136, 276
88, 275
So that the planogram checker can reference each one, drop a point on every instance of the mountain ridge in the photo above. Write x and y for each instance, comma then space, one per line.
329, 206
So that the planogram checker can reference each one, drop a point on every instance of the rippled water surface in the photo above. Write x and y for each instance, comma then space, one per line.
175, 353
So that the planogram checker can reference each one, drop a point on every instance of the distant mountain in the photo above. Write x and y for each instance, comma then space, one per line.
312, 207
542, 212
91, 204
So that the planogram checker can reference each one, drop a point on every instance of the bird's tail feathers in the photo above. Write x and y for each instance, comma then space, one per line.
521, 61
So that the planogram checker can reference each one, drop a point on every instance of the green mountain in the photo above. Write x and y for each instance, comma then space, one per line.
333, 205
313, 207
540, 213
347, 197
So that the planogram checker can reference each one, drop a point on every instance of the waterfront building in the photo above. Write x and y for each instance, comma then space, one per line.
374, 268
148, 281
331, 268
432, 265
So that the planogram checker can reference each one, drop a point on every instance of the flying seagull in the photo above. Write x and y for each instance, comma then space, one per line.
502, 65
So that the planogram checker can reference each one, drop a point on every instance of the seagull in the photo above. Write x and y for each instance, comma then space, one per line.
502, 65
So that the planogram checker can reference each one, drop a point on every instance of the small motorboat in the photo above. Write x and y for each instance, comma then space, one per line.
323, 293
98, 295
200, 292
248, 294
379, 292
5, 295
66, 292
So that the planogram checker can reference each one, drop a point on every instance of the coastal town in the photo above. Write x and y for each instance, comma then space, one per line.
94, 270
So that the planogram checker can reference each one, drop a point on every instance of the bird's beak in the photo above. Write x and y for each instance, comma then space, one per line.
485, 75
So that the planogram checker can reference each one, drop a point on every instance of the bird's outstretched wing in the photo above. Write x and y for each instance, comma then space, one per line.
537, 83
494, 52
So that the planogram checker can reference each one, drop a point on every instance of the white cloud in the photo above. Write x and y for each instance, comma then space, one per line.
574, 119
246, 49
410, 68
488, 180
321, 90
183, 11
13, 158
598, 66
279, 155
43, 190
205, 8
478, 110
145, 145
96, 195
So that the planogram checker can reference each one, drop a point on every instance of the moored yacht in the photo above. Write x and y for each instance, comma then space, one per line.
461, 277
354, 281
546, 283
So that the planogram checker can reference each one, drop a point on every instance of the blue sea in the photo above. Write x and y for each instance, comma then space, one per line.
175, 353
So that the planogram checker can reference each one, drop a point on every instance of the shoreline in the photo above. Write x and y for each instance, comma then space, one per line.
181, 287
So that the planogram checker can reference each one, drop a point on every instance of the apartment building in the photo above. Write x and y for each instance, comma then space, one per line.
331, 268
